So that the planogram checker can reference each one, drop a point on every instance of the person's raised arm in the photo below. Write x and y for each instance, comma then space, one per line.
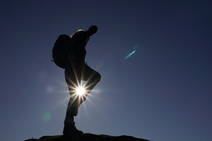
86, 35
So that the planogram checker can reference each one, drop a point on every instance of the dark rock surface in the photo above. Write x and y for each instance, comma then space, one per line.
88, 137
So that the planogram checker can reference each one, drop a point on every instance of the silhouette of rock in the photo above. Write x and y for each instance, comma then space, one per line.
89, 137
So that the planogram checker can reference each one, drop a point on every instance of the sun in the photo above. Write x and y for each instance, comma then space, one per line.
80, 90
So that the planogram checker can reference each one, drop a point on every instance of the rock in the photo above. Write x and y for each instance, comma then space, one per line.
88, 137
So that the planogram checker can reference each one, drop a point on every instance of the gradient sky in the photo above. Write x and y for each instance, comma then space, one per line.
163, 92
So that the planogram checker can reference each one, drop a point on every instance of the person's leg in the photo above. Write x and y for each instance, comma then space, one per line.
72, 109
69, 124
91, 77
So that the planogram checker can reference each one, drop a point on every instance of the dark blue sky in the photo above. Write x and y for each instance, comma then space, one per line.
162, 92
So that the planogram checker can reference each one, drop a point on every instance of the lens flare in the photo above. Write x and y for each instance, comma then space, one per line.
135, 47
129, 54
46, 117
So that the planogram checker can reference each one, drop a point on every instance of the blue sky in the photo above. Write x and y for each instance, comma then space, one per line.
162, 92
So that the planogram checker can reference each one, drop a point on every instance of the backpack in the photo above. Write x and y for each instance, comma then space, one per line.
60, 51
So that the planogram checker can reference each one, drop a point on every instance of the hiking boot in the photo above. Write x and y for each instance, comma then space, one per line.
70, 130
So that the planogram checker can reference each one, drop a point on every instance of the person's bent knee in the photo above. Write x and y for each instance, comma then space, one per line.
97, 77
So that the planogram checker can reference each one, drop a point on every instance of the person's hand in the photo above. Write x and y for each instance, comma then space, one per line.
93, 28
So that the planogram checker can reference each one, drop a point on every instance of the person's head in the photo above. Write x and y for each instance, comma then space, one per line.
80, 31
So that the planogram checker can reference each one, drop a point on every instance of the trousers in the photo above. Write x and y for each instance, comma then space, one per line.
73, 77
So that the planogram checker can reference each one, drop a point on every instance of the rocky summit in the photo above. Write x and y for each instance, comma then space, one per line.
88, 137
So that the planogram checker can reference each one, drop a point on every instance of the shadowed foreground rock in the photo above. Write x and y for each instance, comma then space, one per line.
89, 137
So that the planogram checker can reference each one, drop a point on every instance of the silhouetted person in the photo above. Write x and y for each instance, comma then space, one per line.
76, 70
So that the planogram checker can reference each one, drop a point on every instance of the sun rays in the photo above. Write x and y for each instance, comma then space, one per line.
58, 88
